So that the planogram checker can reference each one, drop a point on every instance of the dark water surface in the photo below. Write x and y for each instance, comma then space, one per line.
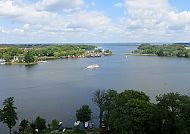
54, 90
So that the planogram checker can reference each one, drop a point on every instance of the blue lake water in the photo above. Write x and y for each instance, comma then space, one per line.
54, 90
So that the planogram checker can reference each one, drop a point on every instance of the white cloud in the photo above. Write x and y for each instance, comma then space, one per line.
2, 30
34, 17
145, 20
118, 5
37, 21
25, 13
61, 4
7, 9
155, 20
26, 26
18, 31
180, 20
89, 20
147, 13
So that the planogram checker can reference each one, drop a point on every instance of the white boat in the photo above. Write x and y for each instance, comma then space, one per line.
2, 61
43, 61
92, 66
126, 56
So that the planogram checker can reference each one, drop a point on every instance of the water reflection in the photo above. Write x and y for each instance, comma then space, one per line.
30, 67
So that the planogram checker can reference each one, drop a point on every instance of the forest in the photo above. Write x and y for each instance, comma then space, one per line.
163, 50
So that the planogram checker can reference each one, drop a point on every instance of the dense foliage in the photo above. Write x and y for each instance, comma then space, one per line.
40, 123
55, 124
127, 112
99, 98
84, 114
8, 114
56, 51
163, 50
131, 112
23, 125
29, 57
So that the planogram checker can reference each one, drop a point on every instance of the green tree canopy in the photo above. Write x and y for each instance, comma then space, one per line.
174, 113
130, 112
23, 124
84, 114
163, 50
40, 123
100, 98
29, 57
7, 57
8, 114
54, 124
110, 97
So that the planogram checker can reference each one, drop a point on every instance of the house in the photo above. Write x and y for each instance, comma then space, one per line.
18, 59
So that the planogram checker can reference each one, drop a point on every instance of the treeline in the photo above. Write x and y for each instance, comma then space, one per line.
8, 116
131, 112
8, 52
163, 50
128, 112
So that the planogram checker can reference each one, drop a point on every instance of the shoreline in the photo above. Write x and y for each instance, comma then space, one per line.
36, 54
10, 63
53, 58
137, 54
131, 54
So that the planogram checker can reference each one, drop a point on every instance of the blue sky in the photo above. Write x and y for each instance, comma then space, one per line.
60, 21
181, 5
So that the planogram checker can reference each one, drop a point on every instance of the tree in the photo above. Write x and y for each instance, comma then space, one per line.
134, 117
84, 114
8, 114
130, 112
99, 98
40, 123
55, 124
110, 95
7, 57
33, 127
29, 57
56, 54
23, 125
162, 50
174, 113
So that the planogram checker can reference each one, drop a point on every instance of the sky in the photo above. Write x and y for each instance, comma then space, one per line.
94, 21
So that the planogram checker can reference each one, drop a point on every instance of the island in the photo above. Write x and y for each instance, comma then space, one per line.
33, 54
167, 50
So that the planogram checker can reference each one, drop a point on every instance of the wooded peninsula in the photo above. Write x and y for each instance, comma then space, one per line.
25, 54
163, 50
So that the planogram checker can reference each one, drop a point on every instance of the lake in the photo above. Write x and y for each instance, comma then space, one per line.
56, 89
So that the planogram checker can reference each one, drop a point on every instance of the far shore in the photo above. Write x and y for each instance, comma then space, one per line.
31, 55
136, 54
16, 63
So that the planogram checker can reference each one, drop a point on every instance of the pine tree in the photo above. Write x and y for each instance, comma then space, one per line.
8, 114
